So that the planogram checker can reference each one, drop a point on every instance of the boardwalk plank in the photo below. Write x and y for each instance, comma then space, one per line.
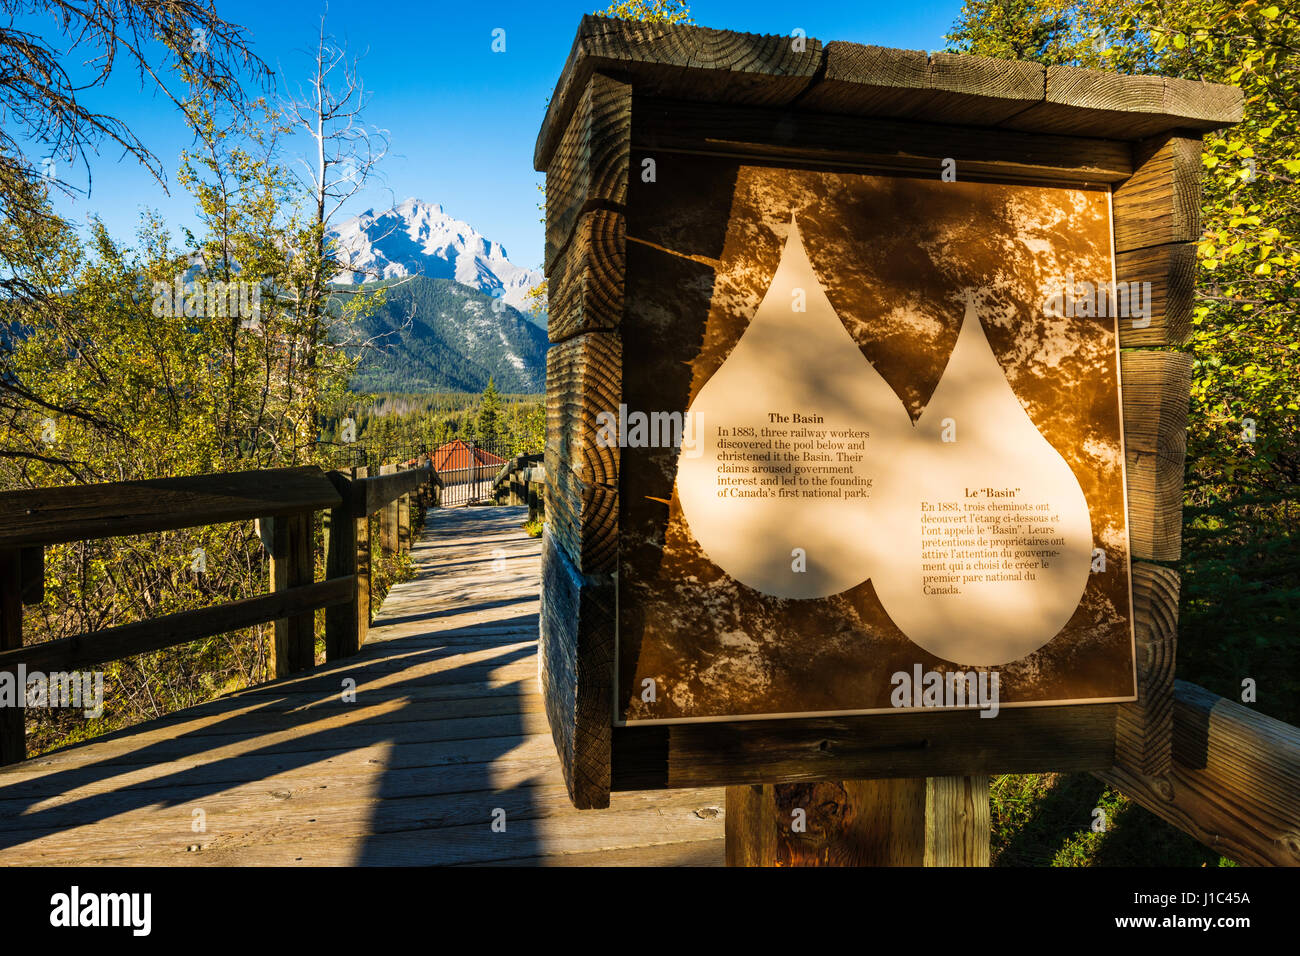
447, 726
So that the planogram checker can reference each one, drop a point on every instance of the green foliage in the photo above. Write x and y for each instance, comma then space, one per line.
487, 426
172, 358
1242, 521
650, 11
1241, 538
1049, 819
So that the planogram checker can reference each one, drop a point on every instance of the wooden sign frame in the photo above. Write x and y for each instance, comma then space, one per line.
634, 87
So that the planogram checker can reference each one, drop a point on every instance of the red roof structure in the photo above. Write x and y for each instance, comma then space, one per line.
455, 456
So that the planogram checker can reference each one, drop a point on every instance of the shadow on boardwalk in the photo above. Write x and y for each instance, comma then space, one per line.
446, 737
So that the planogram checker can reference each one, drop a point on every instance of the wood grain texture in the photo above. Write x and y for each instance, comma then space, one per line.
447, 726
343, 633
1144, 729
584, 377
82, 512
576, 670
1101, 103
957, 823
390, 484
845, 823
584, 520
388, 519
711, 66
585, 286
141, 637
914, 821
363, 556
1156, 388
1019, 740
1171, 271
673, 60
809, 137
940, 87
590, 165
1234, 783
292, 566
1161, 202
13, 727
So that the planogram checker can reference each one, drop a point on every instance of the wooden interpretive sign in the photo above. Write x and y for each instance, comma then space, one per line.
851, 463
898, 481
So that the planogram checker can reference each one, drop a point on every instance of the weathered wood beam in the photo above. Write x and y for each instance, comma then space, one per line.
385, 488
81, 512
13, 727
670, 59
1156, 386
343, 632
590, 168
1235, 780
916, 821
142, 637
1170, 270
723, 67
585, 285
32, 574
576, 661
1161, 202
292, 567
1144, 729
947, 743
1099, 103
798, 135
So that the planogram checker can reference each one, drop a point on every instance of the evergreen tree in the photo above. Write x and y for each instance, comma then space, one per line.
487, 425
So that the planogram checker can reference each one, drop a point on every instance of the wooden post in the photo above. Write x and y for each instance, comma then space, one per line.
404, 521
363, 561
918, 821
13, 734
388, 520
291, 566
531, 487
341, 621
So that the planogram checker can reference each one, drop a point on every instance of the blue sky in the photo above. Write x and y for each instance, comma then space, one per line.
462, 119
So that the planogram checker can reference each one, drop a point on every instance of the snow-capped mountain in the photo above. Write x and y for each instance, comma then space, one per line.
416, 237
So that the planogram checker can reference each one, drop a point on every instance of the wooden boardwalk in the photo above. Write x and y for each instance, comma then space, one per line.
447, 730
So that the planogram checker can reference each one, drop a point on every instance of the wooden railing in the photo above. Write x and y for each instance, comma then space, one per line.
283, 501
1233, 782
522, 481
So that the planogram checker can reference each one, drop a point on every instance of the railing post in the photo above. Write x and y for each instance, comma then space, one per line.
403, 520
919, 821
291, 566
536, 493
13, 733
388, 520
363, 560
341, 622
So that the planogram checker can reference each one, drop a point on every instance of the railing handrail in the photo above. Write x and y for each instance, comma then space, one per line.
284, 500
1234, 783
382, 490
37, 517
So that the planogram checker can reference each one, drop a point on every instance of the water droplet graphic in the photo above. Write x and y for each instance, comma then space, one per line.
978, 549
992, 531
748, 501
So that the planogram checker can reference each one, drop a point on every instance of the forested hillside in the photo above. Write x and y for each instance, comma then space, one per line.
439, 335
